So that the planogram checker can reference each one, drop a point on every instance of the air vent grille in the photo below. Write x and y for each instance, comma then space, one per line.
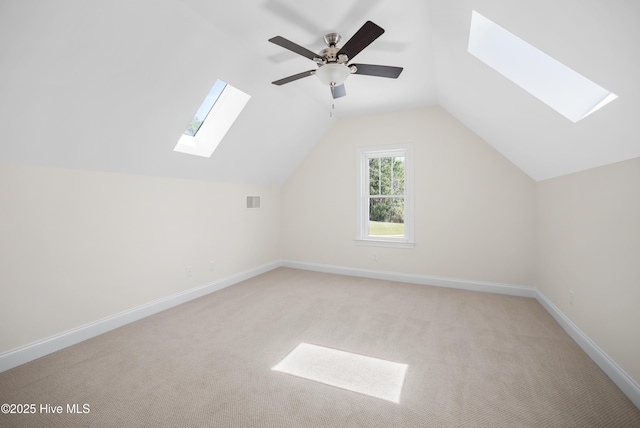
253, 201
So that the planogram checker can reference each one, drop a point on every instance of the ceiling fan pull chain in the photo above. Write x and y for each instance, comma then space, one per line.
331, 106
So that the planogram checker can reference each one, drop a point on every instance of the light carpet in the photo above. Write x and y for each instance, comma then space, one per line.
474, 360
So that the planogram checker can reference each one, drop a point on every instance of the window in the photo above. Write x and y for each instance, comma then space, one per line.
205, 107
385, 196
564, 90
212, 120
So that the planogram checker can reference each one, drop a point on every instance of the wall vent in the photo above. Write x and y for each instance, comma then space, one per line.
253, 201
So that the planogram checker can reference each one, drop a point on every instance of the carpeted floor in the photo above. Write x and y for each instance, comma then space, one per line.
475, 360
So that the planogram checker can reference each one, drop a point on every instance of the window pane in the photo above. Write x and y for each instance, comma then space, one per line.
386, 176
374, 176
398, 176
386, 216
205, 108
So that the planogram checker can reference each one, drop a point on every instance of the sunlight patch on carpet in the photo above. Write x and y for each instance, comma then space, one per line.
358, 373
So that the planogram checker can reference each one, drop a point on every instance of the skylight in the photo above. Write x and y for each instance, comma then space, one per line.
212, 120
205, 107
564, 90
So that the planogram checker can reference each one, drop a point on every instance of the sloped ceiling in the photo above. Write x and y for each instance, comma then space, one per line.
110, 86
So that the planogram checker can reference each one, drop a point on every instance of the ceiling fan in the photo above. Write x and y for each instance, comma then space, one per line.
333, 62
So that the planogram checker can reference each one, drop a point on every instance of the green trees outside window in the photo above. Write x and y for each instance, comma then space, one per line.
386, 196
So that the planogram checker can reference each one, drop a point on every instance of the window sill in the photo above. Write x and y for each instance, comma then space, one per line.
385, 243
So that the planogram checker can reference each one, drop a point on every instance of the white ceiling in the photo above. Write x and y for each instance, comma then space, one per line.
110, 86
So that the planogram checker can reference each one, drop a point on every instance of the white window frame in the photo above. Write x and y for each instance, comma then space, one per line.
363, 154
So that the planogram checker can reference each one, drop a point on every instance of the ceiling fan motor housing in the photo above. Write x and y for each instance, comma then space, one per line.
330, 54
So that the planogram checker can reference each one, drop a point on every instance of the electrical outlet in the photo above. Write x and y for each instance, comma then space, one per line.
189, 271
374, 258
212, 266
571, 297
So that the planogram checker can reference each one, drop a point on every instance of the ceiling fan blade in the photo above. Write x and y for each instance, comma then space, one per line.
287, 44
378, 70
338, 91
363, 38
294, 77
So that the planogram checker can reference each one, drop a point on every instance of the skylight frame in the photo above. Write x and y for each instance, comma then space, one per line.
221, 116
561, 88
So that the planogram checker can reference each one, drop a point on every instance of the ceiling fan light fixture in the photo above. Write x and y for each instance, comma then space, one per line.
333, 74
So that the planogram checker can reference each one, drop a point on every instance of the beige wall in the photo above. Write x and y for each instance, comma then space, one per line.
80, 246
588, 242
474, 209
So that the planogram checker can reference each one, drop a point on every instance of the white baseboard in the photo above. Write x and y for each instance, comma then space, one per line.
629, 386
487, 287
51, 344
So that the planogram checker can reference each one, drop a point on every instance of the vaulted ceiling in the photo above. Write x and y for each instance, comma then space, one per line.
110, 86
